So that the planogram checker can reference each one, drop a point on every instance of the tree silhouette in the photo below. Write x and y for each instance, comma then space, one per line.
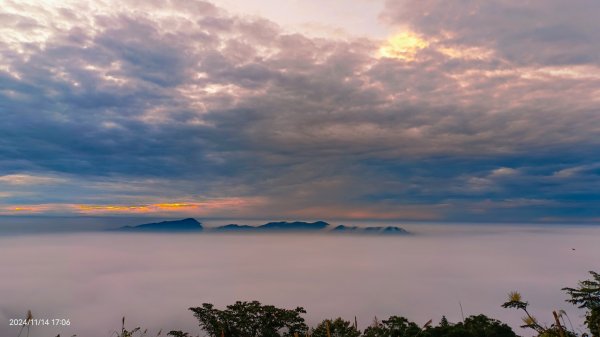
250, 319
587, 296
335, 328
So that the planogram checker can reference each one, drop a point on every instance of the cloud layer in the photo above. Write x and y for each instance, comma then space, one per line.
153, 279
473, 111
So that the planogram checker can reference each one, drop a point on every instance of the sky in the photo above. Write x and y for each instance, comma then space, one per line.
420, 110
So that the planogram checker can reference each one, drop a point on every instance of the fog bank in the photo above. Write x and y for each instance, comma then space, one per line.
94, 279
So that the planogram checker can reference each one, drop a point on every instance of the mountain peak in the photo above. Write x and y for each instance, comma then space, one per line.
184, 225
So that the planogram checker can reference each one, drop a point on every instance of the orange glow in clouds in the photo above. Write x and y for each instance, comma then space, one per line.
207, 207
405, 46
26, 209
136, 208
204, 207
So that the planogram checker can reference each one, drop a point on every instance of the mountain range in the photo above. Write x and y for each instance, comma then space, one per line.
192, 225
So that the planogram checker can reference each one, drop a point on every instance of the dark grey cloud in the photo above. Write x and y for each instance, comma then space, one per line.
192, 102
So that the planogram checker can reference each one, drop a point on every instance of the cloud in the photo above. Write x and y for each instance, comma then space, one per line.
504, 172
549, 33
203, 104
590, 170
108, 276
24, 179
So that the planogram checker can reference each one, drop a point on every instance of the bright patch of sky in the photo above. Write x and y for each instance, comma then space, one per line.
326, 18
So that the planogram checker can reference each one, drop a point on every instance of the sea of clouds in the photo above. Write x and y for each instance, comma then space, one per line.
94, 279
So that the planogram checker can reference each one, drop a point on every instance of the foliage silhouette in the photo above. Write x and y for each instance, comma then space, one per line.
393, 327
335, 328
587, 296
250, 319
515, 301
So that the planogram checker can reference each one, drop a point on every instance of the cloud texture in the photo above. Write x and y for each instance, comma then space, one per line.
475, 110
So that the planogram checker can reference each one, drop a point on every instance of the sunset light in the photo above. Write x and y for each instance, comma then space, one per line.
203, 167
403, 46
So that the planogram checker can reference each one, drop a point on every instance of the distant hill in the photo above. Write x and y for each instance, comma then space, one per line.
234, 228
191, 225
300, 226
280, 226
185, 225
293, 226
386, 230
